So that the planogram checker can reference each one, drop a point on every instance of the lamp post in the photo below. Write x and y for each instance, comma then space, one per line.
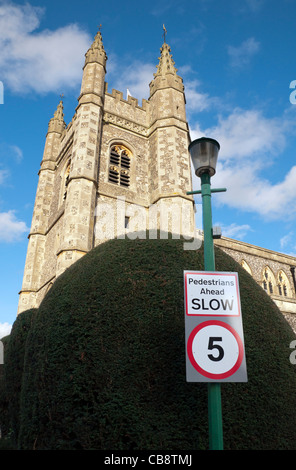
204, 155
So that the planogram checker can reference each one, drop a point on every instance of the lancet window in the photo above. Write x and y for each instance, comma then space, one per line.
245, 265
268, 282
283, 284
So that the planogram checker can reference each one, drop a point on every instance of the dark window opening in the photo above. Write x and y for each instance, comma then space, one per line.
126, 222
280, 289
113, 175
124, 179
119, 169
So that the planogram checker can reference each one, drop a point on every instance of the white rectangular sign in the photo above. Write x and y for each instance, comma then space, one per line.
214, 335
211, 293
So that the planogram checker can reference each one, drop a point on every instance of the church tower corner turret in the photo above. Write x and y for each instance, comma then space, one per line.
94, 71
166, 75
56, 127
41, 214
79, 212
169, 139
57, 124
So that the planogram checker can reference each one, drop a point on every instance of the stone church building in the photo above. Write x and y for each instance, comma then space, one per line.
119, 168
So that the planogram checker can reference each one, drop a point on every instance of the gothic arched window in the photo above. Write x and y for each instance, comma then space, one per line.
245, 265
268, 282
119, 165
283, 284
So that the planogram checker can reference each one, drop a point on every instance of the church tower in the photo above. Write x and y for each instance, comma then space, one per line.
115, 170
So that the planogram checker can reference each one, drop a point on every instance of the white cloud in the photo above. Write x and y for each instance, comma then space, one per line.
250, 142
9, 152
246, 133
11, 229
286, 240
40, 61
248, 190
18, 154
5, 329
234, 230
196, 101
241, 55
134, 76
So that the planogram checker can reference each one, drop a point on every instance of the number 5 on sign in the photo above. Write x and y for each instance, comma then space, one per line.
211, 345
215, 351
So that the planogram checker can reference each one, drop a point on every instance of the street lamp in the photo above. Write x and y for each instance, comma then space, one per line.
204, 154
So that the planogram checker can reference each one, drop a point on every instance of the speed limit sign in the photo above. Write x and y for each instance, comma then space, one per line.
215, 350
215, 346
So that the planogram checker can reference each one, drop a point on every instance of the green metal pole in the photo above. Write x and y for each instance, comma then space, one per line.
209, 256
214, 389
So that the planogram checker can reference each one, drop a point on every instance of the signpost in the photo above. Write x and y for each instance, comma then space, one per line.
213, 331
213, 328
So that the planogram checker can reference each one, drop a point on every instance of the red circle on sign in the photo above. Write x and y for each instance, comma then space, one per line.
199, 369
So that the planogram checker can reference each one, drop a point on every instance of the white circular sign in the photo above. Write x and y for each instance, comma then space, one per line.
215, 349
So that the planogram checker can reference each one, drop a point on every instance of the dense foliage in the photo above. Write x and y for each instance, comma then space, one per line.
4, 403
12, 375
105, 359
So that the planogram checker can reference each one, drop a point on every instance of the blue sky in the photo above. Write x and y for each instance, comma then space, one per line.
237, 60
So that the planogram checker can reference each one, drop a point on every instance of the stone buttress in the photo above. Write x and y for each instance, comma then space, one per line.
78, 220
32, 280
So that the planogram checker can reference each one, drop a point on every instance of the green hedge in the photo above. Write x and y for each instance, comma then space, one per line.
4, 403
14, 365
105, 359
11, 374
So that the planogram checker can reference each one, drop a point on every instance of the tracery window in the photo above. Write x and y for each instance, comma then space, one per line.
268, 282
119, 165
283, 284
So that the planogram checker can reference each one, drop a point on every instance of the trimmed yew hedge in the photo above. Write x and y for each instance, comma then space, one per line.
4, 403
105, 359
12, 374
